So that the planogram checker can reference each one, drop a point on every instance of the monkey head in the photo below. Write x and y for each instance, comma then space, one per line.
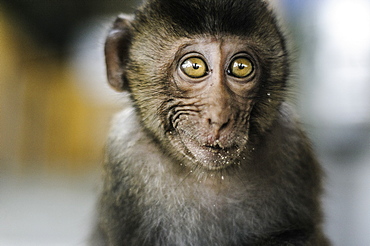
204, 82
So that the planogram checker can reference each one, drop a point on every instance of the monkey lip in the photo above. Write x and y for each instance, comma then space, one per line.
216, 149
217, 145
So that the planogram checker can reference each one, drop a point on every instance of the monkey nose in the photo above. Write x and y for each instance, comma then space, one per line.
216, 126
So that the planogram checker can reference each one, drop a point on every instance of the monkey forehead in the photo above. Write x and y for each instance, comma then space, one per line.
184, 18
210, 44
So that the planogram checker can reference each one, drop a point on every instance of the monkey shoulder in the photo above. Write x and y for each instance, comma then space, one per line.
288, 160
287, 151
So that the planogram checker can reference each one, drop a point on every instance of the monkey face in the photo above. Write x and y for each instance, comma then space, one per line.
202, 85
215, 82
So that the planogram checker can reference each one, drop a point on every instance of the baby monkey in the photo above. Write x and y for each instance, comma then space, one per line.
208, 152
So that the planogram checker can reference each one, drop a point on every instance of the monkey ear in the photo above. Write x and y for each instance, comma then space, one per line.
117, 48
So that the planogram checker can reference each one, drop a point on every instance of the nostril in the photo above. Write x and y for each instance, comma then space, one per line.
219, 124
224, 125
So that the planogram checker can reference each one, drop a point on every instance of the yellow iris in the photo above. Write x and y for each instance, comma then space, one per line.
194, 67
241, 67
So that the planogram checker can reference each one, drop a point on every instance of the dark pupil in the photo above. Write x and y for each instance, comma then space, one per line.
196, 66
241, 66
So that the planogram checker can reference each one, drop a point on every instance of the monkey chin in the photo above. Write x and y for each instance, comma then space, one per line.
212, 157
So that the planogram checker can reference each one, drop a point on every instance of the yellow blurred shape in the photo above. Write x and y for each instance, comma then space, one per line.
45, 122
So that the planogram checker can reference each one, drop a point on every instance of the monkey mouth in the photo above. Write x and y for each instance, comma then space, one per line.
211, 156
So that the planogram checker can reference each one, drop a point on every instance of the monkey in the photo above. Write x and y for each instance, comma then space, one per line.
209, 151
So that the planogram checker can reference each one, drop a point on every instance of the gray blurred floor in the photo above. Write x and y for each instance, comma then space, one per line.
45, 210
347, 201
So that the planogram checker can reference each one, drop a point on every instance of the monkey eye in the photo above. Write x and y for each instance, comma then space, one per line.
194, 67
240, 67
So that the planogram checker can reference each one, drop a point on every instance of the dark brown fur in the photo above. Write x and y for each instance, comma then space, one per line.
252, 180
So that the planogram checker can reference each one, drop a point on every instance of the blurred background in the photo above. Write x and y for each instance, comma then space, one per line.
55, 108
